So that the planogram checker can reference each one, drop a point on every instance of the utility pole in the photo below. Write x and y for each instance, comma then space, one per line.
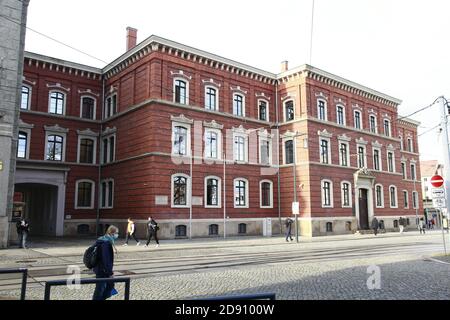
445, 152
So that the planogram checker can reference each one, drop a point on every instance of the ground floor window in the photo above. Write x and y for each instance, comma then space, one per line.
213, 230
242, 228
180, 231
329, 227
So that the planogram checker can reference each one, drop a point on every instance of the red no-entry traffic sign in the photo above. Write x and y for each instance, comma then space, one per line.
437, 181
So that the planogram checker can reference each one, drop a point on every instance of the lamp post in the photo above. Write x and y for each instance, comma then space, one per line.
295, 176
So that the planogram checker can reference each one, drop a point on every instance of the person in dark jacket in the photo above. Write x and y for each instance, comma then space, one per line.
375, 225
23, 228
104, 267
152, 229
288, 224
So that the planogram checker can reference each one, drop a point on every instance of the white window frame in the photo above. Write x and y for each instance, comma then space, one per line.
106, 206
247, 186
402, 147
415, 171
188, 190
219, 192
389, 134
409, 141
360, 119
294, 150
55, 133
380, 162
108, 157
92, 194
331, 205
267, 109
393, 161
271, 194
260, 140
95, 106
64, 102
347, 155
110, 109
415, 195
284, 109
245, 136
94, 158
27, 150
188, 139
390, 197
30, 90
407, 199
219, 143
344, 119
325, 104
187, 90
376, 124
243, 104
328, 151
349, 194
216, 99
357, 155
382, 196
406, 170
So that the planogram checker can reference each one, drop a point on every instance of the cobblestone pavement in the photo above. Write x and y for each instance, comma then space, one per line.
319, 268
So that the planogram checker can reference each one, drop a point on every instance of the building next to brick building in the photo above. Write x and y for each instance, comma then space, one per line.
428, 169
207, 145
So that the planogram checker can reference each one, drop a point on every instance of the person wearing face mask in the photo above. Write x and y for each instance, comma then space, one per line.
105, 262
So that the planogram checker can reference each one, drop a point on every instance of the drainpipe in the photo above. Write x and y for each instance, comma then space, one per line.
278, 154
97, 222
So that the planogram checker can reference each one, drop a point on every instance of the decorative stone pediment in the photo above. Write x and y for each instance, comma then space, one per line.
413, 161
26, 81
390, 147
56, 128
24, 125
87, 132
403, 159
340, 101
264, 134
324, 133
181, 74
376, 144
356, 106
211, 82
239, 89
321, 95
262, 95
182, 119
289, 96
88, 91
344, 137
213, 124
362, 141
240, 129
371, 111
288, 134
112, 89
365, 173
57, 86
109, 130
387, 116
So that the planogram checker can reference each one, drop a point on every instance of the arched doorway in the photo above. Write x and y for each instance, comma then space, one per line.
364, 182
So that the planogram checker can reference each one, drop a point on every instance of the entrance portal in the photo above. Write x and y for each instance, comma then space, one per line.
363, 210
41, 206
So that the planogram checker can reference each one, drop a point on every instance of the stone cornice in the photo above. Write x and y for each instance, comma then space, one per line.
182, 119
56, 128
24, 125
87, 132
344, 137
213, 124
324, 133
109, 131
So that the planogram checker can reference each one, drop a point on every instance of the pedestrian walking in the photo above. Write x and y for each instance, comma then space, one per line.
375, 225
23, 228
422, 226
382, 228
401, 223
432, 223
152, 230
105, 263
131, 232
288, 224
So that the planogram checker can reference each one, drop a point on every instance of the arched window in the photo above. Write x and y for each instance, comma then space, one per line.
180, 140
379, 197
211, 98
241, 193
373, 124
340, 115
110, 105
212, 192
329, 226
180, 91
238, 105
393, 196
289, 112
180, 231
213, 229
180, 190
289, 151
263, 110
212, 144
387, 127
57, 102
357, 119
327, 194
87, 110
55, 148
107, 194
25, 98
348, 226
321, 110
395, 223
346, 194
22, 145
242, 228
84, 194
266, 194
86, 150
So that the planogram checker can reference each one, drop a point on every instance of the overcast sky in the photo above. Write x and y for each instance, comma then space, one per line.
398, 47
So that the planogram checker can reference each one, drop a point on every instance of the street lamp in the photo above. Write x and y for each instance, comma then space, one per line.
297, 134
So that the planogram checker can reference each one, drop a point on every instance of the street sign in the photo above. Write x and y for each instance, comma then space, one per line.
437, 193
437, 181
439, 203
296, 208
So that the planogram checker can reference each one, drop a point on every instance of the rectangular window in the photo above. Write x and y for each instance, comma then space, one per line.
238, 105
413, 172
111, 148
415, 199
212, 192
344, 154
410, 145
361, 156
264, 152
180, 141
25, 98
111, 106
22, 145
211, 144
110, 194
86, 151
57, 103
265, 194
340, 115
372, 124
104, 190
289, 151
376, 159
405, 199
345, 194
289, 110
390, 162
179, 191
84, 195
55, 148
379, 196
324, 151
180, 92
393, 196
357, 116
239, 148
263, 110
321, 110
403, 170
326, 190
240, 193
211, 99
387, 128
87, 108
107, 194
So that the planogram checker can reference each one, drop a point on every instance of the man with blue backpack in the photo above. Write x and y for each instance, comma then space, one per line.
100, 258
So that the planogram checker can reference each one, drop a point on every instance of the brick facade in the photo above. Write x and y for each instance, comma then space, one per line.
143, 162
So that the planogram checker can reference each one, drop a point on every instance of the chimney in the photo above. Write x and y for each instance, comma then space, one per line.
131, 38
284, 66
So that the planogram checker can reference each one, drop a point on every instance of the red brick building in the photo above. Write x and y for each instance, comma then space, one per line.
148, 135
